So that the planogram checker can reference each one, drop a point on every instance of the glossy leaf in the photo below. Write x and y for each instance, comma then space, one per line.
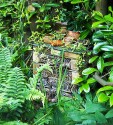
96, 24
86, 88
108, 55
97, 15
109, 114
88, 71
107, 32
77, 80
110, 9
67, 0
108, 64
84, 34
98, 47
52, 5
100, 64
91, 80
97, 34
111, 100
108, 18
105, 88
77, 1
80, 89
111, 75
36, 5
102, 97
42, 9
91, 60
107, 48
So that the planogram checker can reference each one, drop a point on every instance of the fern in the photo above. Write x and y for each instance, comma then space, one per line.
5, 58
12, 123
12, 85
16, 85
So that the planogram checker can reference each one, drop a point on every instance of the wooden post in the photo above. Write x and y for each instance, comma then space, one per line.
74, 68
101, 6
35, 62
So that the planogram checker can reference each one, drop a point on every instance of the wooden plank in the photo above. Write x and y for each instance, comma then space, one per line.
66, 54
74, 67
35, 61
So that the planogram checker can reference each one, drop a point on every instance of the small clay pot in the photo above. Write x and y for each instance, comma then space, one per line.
63, 30
47, 39
73, 34
57, 43
68, 40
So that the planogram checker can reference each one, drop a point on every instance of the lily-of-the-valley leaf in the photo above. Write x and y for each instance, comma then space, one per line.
107, 48
89, 71
91, 60
77, 80
98, 47
100, 64
111, 100
103, 97
105, 88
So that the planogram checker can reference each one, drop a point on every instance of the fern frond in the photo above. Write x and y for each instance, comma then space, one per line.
16, 85
12, 123
5, 64
5, 58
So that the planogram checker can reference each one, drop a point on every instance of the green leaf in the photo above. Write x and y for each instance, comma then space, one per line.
42, 9
91, 80
36, 5
109, 114
105, 88
96, 24
93, 107
107, 32
77, 1
86, 88
108, 64
89, 122
111, 100
84, 34
91, 60
46, 19
100, 64
88, 71
111, 75
97, 35
97, 15
77, 80
100, 118
108, 55
107, 48
67, 0
111, 27
80, 89
52, 5
75, 115
108, 18
110, 9
102, 97
98, 46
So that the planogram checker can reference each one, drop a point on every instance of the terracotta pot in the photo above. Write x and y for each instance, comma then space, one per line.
68, 40
47, 39
73, 34
57, 42
63, 30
